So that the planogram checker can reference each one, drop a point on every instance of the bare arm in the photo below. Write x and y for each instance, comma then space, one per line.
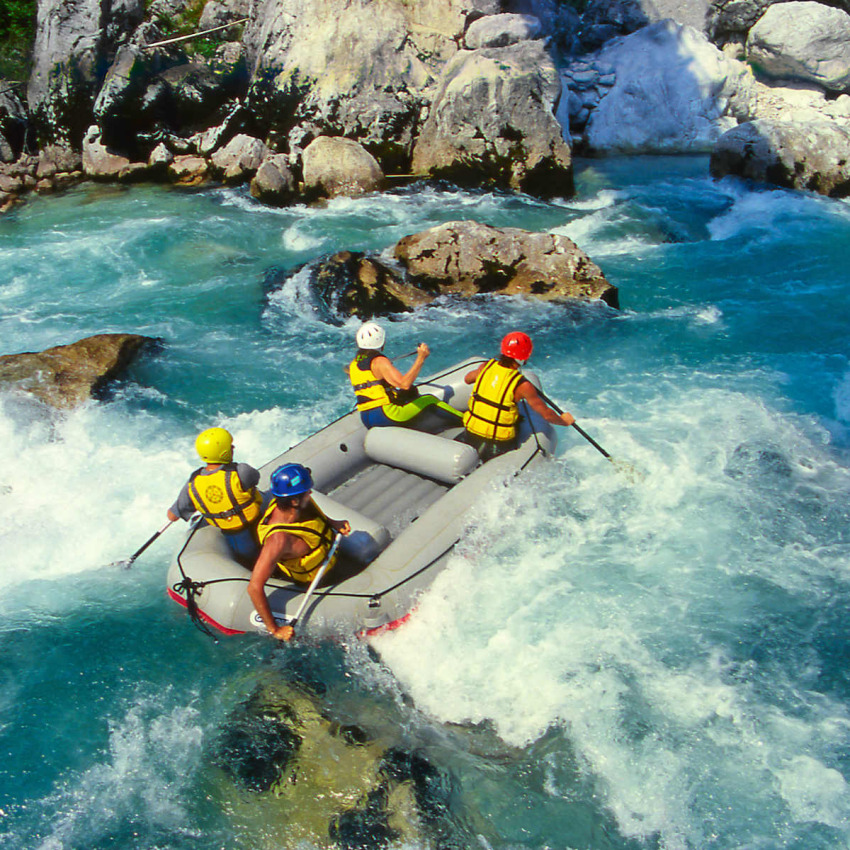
382, 367
278, 547
472, 377
528, 392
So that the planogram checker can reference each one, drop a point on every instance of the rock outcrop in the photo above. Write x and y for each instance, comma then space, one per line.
68, 375
336, 166
492, 121
803, 41
814, 156
468, 258
74, 45
461, 259
664, 88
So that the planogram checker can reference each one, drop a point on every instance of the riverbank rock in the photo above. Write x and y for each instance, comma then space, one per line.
492, 122
65, 376
358, 70
74, 44
239, 159
467, 258
803, 41
335, 166
274, 182
13, 123
663, 88
812, 156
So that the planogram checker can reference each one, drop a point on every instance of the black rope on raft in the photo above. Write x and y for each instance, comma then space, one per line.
192, 589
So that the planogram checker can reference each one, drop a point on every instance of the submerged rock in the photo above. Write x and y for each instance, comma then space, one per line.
325, 783
68, 375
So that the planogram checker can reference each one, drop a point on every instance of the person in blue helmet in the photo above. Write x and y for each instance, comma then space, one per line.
295, 536
385, 396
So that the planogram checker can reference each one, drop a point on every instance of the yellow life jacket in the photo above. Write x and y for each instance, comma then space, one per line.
316, 532
220, 497
492, 412
370, 391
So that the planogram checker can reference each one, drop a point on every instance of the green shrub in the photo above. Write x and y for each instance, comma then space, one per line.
17, 32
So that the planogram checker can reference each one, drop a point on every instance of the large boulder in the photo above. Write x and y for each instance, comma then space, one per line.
68, 375
502, 30
492, 121
803, 41
794, 155
352, 68
350, 283
666, 89
75, 42
239, 159
468, 258
274, 182
335, 166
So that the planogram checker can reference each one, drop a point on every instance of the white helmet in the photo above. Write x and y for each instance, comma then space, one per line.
371, 336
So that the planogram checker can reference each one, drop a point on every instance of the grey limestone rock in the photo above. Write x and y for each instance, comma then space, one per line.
813, 156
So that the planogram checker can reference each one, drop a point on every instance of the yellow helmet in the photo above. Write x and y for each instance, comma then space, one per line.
215, 445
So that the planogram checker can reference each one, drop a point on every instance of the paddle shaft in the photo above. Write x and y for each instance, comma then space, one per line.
313, 584
575, 425
145, 545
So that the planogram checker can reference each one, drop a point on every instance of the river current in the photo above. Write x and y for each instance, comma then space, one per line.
607, 662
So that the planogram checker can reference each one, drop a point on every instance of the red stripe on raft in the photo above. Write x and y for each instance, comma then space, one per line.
181, 601
387, 627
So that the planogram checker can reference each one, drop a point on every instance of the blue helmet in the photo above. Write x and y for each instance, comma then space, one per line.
291, 479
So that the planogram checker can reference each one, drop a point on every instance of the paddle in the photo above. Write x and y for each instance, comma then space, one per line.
620, 465
129, 561
313, 584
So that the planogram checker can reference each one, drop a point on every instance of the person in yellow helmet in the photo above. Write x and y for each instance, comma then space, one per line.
224, 493
490, 421
383, 394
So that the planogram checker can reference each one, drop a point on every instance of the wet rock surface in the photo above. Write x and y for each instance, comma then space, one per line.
66, 376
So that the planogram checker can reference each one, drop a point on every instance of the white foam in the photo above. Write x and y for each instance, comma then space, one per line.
153, 753
616, 610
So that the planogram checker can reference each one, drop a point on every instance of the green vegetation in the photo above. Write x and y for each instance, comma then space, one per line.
187, 22
17, 31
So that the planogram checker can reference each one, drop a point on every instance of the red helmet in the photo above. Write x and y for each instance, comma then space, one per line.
517, 345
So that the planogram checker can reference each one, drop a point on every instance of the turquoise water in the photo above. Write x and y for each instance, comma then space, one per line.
604, 664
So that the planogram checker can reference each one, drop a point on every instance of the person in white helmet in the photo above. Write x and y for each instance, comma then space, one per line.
384, 395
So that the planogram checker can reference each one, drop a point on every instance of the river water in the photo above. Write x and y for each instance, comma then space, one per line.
607, 662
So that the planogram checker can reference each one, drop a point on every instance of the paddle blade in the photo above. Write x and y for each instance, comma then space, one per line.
632, 473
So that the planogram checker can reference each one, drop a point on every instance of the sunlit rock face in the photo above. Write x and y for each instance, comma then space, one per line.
65, 376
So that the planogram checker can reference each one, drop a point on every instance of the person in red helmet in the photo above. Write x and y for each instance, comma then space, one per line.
490, 422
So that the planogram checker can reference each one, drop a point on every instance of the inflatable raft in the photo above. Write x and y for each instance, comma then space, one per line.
406, 494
